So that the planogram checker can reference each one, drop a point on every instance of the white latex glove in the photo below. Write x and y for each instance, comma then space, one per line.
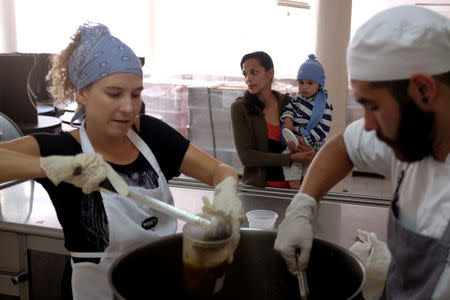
84, 170
295, 232
226, 200
376, 258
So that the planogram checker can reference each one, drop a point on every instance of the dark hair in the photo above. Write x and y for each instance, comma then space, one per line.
444, 78
262, 57
398, 88
251, 101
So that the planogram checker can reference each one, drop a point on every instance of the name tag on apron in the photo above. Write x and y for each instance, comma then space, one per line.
149, 223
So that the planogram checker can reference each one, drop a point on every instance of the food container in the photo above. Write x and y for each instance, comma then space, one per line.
204, 262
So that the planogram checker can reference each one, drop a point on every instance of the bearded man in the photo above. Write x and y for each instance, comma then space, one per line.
399, 67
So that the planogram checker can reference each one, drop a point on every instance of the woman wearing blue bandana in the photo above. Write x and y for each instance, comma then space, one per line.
105, 77
309, 115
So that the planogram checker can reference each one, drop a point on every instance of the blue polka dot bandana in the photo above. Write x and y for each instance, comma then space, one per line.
99, 54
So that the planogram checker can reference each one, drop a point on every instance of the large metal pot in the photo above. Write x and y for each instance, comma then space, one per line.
257, 271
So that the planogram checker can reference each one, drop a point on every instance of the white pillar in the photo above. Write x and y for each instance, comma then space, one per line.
8, 42
333, 34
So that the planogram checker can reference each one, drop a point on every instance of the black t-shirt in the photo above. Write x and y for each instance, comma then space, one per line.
274, 173
82, 216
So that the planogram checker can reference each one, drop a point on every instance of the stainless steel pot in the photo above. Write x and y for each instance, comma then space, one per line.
257, 271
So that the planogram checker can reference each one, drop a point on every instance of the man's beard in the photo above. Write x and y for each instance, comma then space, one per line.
415, 134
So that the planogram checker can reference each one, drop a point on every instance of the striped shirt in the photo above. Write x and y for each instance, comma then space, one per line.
300, 110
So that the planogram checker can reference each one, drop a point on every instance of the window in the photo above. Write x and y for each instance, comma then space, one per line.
177, 36
196, 39
47, 25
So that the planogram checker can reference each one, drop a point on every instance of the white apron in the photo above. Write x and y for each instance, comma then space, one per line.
125, 221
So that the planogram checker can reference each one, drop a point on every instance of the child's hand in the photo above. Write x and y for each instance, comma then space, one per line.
301, 141
292, 146
288, 124
301, 147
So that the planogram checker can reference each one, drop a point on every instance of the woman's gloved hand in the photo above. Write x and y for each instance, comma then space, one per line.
84, 170
295, 233
226, 200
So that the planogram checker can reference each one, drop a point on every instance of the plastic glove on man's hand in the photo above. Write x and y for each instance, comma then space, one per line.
84, 170
226, 200
295, 233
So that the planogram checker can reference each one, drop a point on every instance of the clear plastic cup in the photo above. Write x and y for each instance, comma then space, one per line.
204, 262
262, 219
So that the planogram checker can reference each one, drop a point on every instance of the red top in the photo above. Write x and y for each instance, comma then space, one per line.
274, 132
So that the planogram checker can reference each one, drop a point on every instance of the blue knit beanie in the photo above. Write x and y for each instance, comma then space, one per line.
312, 69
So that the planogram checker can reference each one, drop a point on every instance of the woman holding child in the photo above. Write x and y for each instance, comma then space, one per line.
257, 127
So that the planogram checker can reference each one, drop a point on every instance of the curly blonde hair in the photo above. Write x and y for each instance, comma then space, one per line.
60, 87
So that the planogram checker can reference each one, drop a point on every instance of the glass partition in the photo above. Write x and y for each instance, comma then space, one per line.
200, 111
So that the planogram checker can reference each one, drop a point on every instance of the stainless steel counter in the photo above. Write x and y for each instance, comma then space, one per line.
28, 222
338, 217
26, 208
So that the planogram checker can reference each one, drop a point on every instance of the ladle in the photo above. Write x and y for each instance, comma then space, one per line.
165, 208
302, 283
215, 228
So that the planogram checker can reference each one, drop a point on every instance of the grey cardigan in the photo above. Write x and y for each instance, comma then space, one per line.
251, 141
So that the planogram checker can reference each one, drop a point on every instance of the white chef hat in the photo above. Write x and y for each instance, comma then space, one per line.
398, 42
